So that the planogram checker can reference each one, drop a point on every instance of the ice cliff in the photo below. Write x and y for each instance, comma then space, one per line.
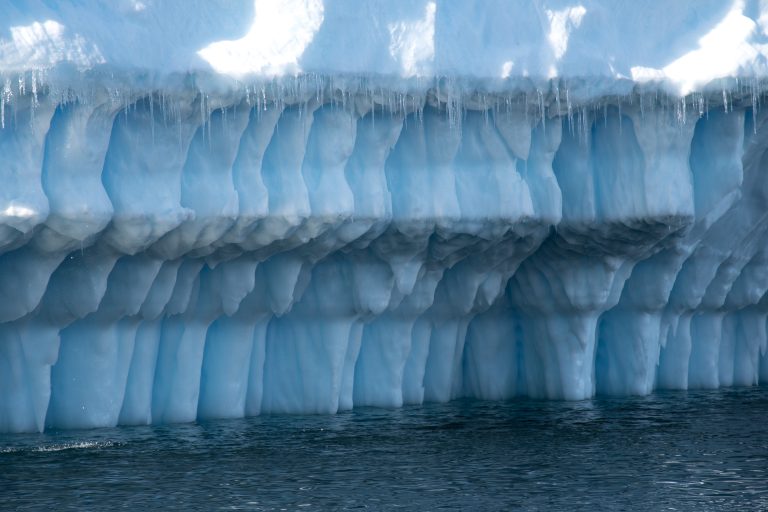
219, 209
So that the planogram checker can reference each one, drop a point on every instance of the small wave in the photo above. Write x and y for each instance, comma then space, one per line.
57, 447
74, 446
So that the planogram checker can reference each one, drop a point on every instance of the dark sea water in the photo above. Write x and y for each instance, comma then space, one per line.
670, 451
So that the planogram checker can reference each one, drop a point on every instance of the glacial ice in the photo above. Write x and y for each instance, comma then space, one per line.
179, 247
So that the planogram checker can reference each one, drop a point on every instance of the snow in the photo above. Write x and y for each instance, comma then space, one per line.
683, 46
221, 209
560, 25
279, 35
723, 51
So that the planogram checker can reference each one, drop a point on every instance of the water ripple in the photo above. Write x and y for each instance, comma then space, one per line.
669, 451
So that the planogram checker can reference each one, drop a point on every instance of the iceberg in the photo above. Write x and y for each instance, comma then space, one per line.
225, 209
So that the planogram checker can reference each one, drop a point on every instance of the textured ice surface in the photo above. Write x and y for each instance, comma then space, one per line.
189, 246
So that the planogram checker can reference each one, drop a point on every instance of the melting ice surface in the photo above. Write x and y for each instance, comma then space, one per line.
187, 246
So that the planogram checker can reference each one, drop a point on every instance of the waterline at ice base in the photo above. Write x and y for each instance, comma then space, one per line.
226, 209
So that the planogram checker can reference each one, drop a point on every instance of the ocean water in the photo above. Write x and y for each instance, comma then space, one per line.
669, 451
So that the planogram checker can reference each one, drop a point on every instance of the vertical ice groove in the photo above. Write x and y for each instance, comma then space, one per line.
625, 155
726, 235
75, 150
137, 403
34, 264
247, 177
176, 385
23, 203
288, 198
312, 339
229, 342
91, 375
28, 350
491, 355
226, 366
207, 188
378, 379
629, 340
497, 234
76, 290
142, 173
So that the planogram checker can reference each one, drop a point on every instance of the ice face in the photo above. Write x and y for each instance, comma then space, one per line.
173, 256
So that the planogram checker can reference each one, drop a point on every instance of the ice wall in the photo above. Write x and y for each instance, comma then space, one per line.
225, 208
173, 257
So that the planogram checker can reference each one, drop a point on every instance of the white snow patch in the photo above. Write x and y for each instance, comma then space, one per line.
644, 74
18, 211
412, 43
281, 31
723, 51
506, 69
46, 43
560, 25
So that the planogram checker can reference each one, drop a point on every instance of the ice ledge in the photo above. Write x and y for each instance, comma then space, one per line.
542, 97
583, 88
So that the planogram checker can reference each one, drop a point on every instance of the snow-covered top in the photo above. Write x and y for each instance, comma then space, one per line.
682, 45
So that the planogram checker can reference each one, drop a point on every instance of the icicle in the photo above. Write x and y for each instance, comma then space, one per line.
685, 107
542, 113
706, 107
164, 108
5, 99
264, 98
754, 106
701, 105
152, 117
224, 120
126, 106
208, 112
725, 101
373, 111
583, 126
178, 124
525, 106
202, 112
34, 90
